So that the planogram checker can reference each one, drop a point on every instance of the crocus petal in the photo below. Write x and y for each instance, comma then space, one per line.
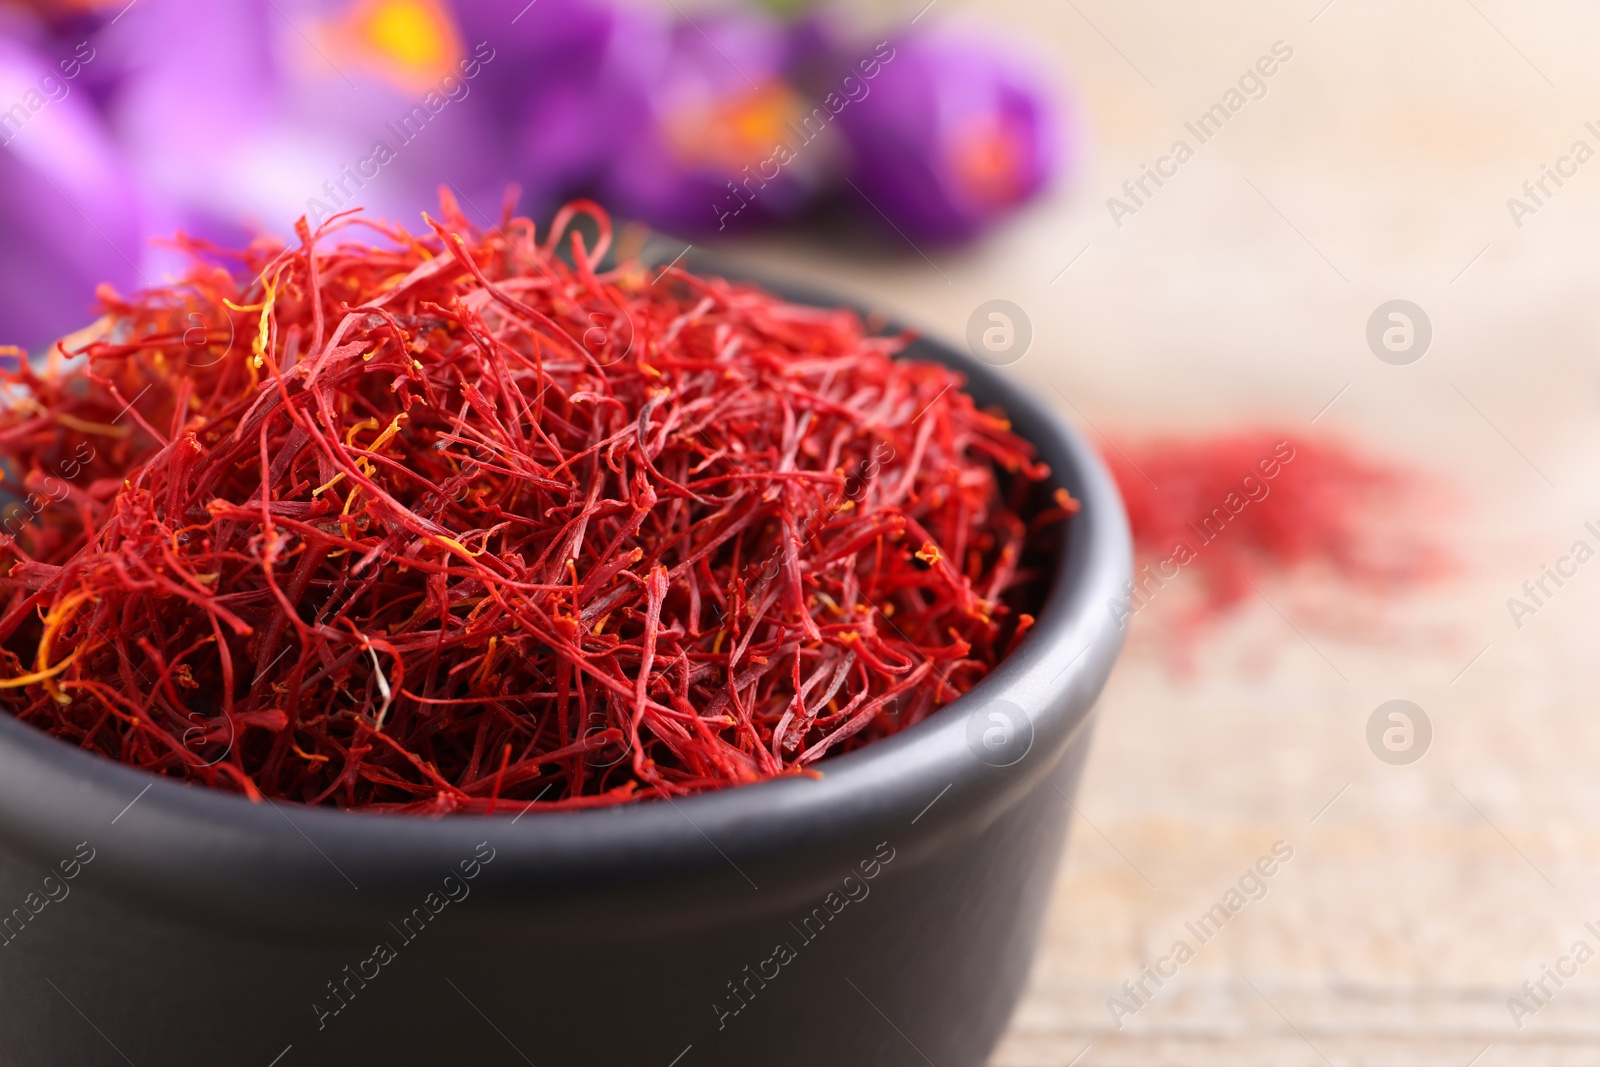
722, 140
255, 112
69, 218
954, 134
561, 93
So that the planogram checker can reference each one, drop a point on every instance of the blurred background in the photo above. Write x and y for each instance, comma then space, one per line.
1362, 226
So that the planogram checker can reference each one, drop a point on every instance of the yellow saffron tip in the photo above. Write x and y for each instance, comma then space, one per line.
38, 676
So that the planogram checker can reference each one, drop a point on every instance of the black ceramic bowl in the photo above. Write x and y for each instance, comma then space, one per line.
884, 914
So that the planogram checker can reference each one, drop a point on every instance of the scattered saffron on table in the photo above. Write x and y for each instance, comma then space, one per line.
462, 522
1232, 509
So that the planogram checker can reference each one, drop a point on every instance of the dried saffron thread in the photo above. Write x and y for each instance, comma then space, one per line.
463, 521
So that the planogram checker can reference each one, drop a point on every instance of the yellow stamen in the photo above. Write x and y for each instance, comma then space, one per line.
38, 676
386, 436
72, 422
488, 661
370, 423
335, 480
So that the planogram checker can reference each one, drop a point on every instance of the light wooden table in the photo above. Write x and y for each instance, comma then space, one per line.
1377, 166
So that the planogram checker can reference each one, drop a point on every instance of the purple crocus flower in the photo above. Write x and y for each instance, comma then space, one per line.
197, 96
953, 135
69, 217
61, 27
564, 91
721, 145
248, 114
659, 117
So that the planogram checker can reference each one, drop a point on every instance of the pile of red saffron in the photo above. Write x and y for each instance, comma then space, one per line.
463, 522
1229, 510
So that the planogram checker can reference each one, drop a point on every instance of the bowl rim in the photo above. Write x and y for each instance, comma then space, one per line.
177, 841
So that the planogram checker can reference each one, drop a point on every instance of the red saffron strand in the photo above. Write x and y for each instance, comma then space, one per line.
383, 512
499, 777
